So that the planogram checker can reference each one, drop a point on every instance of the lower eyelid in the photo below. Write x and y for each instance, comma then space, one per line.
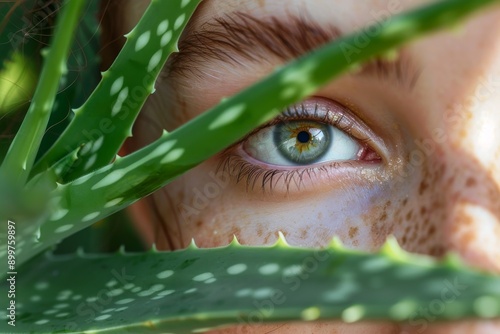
255, 176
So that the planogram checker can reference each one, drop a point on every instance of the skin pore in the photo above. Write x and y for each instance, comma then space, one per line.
426, 123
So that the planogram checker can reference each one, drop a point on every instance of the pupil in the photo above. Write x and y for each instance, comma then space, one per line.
303, 137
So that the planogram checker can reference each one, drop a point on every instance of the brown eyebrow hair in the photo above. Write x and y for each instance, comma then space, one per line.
239, 36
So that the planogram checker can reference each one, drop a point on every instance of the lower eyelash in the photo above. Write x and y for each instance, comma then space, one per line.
241, 170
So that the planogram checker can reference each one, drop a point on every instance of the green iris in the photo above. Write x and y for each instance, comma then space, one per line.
302, 142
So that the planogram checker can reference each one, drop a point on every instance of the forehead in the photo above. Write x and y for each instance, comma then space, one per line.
447, 57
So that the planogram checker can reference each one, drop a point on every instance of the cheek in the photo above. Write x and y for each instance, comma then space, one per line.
209, 208
212, 211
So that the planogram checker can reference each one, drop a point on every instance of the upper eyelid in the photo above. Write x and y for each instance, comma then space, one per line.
292, 113
345, 119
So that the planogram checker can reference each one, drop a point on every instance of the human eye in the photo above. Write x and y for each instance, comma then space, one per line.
312, 140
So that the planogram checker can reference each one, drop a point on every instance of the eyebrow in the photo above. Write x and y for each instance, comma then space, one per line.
238, 36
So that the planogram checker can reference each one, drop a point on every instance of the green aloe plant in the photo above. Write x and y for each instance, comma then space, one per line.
80, 180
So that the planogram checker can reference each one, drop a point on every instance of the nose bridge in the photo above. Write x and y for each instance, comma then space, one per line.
466, 206
472, 124
459, 192
471, 145
471, 150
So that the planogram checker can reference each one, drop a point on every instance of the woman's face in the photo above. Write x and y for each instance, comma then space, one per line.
407, 146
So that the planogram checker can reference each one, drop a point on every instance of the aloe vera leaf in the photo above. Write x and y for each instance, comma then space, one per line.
62, 167
194, 289
111, 188
22, 152
105, 120
81, 78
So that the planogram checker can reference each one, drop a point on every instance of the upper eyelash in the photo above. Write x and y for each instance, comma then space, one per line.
292, 113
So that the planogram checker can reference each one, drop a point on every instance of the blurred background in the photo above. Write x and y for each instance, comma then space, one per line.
25, 30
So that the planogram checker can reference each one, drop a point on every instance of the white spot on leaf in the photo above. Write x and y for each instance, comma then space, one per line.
237, 269
119, 101
62, 297
62, 305
102, 317
292, 270
288, 92
115, 292
113, 202
269, 269
227, 116
59, 214
116, 86
157, 287
162, 149
142, 40
90, 162
63, 228
166, 38
487, 306
172, 156
341, 292
97, 144
353, 313
109, 179
163, 294
155, 60
111, 283
166, 293
146, 293
263, 293
310, 313
179, 21
35, 298
203, 277
90, 216
86, 149
82, 180
162, 27
165, 274
243, 293
124, 301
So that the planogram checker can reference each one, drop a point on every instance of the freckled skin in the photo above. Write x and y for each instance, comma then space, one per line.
446, 199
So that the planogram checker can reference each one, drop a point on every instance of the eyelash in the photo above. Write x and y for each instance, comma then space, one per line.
230, 161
